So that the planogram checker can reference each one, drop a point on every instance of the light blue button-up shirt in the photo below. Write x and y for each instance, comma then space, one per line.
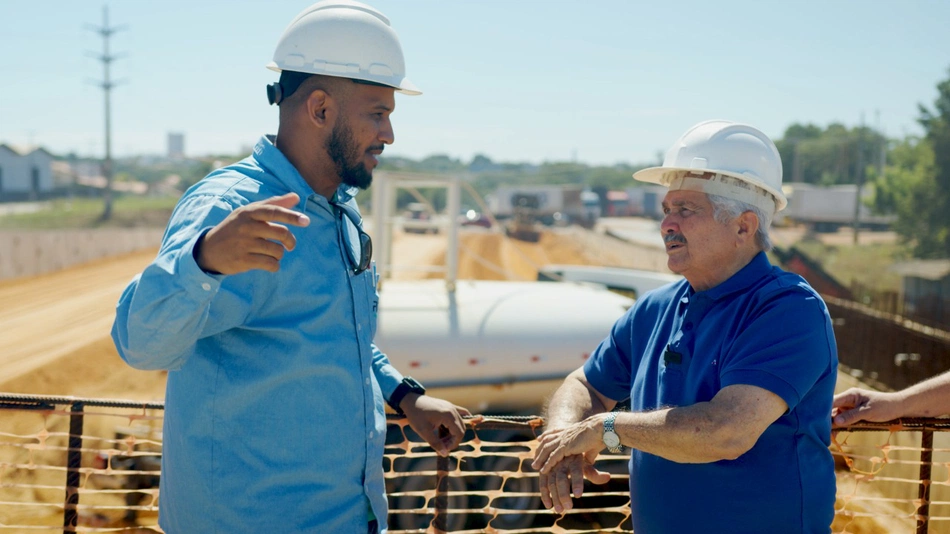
274, 418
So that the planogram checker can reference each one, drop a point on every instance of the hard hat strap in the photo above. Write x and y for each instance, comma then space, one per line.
724, 185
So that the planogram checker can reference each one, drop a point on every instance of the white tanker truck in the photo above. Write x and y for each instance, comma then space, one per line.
495, 347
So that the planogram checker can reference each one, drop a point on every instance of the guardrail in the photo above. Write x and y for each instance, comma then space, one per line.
92, 465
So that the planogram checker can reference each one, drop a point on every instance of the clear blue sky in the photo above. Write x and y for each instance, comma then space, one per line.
605, 82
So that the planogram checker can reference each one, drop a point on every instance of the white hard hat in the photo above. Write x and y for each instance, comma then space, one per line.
345, 39
724, 158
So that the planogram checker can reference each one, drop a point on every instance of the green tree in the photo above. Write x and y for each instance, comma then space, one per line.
905, 190
916, 182
835, 155
936, 124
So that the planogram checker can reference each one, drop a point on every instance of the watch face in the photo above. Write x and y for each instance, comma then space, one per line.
611, 440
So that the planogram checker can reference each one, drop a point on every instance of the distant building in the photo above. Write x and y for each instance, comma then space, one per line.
176, 145
25, 173
925, 287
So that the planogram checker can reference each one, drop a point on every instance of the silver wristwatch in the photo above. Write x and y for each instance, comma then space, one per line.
611, 439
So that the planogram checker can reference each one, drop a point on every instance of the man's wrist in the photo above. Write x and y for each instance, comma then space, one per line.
196, 254
611, 437
410, 397
407, 386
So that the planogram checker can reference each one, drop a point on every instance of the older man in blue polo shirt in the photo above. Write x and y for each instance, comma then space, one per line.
730, 372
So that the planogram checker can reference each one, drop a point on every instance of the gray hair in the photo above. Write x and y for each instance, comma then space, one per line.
726, 209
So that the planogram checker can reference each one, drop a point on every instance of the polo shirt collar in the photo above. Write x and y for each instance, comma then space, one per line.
742, 280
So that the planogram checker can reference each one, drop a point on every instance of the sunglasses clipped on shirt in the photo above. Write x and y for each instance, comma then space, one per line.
360, 257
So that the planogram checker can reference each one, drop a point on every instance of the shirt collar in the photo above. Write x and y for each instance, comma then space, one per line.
745, 278
273, 160
345, 193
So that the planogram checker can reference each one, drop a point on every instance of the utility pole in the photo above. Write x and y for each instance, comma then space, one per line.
106, 84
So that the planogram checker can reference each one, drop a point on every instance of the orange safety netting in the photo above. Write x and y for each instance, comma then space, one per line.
487, 485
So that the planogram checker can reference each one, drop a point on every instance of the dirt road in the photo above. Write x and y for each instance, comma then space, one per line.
55, 328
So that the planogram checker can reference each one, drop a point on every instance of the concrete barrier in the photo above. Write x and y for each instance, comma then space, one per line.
33, 252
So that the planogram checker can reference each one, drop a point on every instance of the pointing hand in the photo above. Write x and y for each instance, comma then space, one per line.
251, 237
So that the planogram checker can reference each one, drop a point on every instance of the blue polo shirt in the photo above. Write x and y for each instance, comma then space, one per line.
675, 347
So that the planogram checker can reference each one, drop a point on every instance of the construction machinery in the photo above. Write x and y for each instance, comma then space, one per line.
524, 224
546, 204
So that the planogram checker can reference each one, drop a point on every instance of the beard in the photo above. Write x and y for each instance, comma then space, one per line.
347, 157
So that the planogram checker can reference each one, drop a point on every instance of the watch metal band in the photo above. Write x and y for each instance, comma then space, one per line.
611, 438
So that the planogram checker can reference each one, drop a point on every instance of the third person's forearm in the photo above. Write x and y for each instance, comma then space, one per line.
930, 398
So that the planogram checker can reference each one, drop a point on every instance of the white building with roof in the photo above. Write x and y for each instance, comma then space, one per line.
25, 173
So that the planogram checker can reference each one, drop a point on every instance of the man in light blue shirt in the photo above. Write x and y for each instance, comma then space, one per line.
262, 305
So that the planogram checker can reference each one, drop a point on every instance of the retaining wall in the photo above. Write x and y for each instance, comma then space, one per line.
33, 252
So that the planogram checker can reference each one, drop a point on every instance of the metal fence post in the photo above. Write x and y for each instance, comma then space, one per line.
441, 520
73, 462
923, 491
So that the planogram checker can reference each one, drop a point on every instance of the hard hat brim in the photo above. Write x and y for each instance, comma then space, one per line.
664, 175
403, 86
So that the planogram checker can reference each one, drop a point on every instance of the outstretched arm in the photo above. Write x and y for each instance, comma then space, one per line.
929, 398
164, 311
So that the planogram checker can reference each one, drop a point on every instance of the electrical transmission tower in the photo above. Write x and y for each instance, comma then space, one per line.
106, 84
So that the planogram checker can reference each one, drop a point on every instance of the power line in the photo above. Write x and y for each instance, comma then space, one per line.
106, 84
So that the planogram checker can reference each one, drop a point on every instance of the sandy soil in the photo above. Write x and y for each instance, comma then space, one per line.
56, 333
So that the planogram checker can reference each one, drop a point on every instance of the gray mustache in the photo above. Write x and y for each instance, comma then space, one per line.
674, 238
